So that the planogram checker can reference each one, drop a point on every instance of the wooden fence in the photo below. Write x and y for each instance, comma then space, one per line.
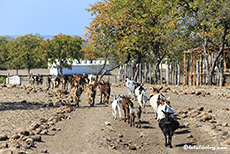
170, 73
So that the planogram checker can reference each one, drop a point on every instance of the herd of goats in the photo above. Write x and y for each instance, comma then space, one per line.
163, 112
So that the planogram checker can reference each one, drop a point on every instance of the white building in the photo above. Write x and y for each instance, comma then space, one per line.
84, 66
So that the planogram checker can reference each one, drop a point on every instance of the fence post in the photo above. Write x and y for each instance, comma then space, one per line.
150, 77
197, 72
178, 75
167, 73
140, 73
221, 72
146, 73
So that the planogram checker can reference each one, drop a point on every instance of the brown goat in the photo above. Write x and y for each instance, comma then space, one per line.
91, 93
105, 91
77, 90
125, 106
64, 81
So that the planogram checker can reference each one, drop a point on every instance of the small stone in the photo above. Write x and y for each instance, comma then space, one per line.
44, 151
120, 135
186, 124
107, 123
213, 126
4, 146
210, 111
190, 136
225, 124
227, 141
132, 148
225, 109
3, 137
36, 138
206, 117
6, 151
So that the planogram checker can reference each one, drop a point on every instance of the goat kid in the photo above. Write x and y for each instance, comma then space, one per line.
104, 91
116, 105
91, 93
168, 125
131, 85
141, 97
125, 107
134, 112
77, 90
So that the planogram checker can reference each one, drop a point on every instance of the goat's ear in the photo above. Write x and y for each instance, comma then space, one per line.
118, 96
112, 95
160, 88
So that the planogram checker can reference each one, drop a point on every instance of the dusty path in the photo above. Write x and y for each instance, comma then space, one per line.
93, 130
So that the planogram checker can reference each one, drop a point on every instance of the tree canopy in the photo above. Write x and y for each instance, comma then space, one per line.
63, 50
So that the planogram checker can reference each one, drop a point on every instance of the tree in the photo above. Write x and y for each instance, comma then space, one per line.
137, 28
24, 52
3, 51
209, 20
63, 50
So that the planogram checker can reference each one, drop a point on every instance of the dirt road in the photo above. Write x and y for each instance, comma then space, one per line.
93, 130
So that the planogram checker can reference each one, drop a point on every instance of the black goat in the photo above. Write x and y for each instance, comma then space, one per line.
168, 125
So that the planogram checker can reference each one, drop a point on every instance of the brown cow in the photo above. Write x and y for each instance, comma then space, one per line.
91, 93
105, 91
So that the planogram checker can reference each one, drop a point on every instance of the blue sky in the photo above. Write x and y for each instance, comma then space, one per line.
46, 17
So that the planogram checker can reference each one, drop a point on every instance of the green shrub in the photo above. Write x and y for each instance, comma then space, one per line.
2, 79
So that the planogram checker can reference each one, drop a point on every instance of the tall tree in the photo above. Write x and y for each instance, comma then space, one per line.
3, 51
135, 28
63, 50
209, 20
24, 52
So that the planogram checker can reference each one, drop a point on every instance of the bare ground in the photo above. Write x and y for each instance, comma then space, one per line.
93, 130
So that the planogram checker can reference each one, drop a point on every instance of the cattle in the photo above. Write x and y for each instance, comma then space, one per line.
104, 91
91, 93
168, 125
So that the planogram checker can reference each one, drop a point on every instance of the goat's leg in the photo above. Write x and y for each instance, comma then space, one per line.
124, 115
170, 140
101, 99
114, 114
128, 116
165, 139
119, 110
131, 121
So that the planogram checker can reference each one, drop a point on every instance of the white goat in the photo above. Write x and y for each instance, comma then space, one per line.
141, 97
131, 85
116, 105
163, 107
154, 100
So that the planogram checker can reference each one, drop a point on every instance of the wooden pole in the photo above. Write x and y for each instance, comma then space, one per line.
178, 77
167, 73
150, 77
185, 68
